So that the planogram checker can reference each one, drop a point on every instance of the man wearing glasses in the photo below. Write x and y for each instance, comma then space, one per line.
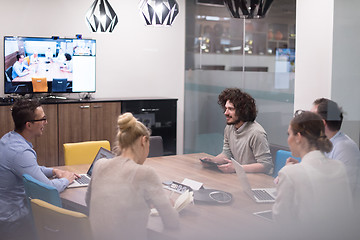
18, 157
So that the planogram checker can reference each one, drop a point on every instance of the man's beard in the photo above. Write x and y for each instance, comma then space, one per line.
234, 122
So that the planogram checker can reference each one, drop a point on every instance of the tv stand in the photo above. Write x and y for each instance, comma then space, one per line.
86, 96
55, 97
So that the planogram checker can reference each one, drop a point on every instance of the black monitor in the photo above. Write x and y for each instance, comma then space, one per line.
27, 59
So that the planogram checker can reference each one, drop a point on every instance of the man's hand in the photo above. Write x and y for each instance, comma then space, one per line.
291, 160
70, 176
227, 166
207, 162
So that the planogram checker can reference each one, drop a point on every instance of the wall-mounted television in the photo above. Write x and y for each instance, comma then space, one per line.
49, 65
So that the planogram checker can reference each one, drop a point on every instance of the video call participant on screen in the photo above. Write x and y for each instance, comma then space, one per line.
245, 140
19, 68
49, 55
314, 192
344, 148
68, 63
17, 158
122, 189
34, 58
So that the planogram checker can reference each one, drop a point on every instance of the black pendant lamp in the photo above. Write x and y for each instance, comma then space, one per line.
248, 8
101, 17
159, 12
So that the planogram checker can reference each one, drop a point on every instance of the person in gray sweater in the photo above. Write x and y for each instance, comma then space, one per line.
245, 140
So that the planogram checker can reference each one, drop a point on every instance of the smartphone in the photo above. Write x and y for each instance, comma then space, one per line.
176, 187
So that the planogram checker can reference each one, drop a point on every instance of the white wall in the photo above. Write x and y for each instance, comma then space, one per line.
327, 56
133, 61
314, 41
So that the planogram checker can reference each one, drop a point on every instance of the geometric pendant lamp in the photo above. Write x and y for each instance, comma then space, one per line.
248, 8
159, 12
101, 17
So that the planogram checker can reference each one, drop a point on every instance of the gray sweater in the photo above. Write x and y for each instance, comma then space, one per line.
248, 144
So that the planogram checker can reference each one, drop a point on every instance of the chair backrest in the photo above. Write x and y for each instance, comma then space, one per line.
280, 160
156, 146
27, 60
83, 152
55, 223
39, 84
35, 189
59, 84
8, 73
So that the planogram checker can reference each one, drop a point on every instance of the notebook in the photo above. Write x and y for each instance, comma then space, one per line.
260, 195
84, 179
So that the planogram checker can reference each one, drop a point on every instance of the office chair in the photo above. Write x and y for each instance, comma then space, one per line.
39, 84
59, 85
83, 152
156, 146
27, 60
10, 86
280, 160
55, 223
39, 190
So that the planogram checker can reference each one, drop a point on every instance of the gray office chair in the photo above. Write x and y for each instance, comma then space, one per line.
156, 146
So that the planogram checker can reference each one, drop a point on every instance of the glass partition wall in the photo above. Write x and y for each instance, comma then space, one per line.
256, 55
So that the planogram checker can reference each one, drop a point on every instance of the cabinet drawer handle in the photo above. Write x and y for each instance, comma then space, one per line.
150, 109
97, 106
86, 106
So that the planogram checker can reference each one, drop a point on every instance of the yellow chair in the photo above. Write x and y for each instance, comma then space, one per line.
39, 84
83, 152
27, 60
55, 223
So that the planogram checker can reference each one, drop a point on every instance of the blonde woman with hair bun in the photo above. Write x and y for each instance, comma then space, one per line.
122, 190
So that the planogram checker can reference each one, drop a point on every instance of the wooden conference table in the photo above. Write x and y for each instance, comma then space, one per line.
198, 221
42, 69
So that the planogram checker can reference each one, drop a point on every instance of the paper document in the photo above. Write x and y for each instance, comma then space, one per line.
195, 185
181, 202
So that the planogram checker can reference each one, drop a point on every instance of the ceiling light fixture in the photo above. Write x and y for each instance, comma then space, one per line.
101, 17
248, 9
159, 12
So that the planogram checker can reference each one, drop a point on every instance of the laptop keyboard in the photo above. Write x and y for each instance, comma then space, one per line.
83, 179
262, 195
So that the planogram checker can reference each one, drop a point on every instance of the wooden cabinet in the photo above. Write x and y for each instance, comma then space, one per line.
72, 121
46, 146
7, 123
159, 115
103, 124
80, 122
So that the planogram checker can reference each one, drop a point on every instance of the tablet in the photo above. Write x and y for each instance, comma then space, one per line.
210, 163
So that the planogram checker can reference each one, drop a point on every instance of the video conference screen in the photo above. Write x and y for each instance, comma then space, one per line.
49, 65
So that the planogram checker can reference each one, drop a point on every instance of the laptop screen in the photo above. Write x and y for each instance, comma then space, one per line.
102, 153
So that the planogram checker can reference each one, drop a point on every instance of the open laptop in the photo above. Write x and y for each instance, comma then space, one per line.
259, 195
84, 179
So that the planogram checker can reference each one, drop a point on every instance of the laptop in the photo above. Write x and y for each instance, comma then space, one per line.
84, 179
259, 195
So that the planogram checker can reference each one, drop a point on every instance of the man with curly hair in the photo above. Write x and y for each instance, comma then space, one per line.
245, 140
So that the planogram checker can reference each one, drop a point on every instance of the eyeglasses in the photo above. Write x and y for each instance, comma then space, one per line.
298, 112
39, 120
